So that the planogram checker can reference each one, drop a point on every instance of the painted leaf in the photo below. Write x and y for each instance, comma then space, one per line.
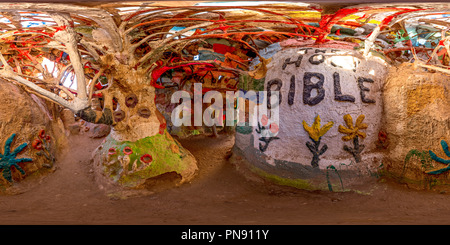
349, 121
325, 128
361, 134
362, 126
438, 171
307, 127
445, 148
348, 137
316, 124
359, 121
345, 130
438, 159
310, 131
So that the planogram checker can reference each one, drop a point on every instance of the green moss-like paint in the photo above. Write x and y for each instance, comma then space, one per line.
244, 129
297, 183
248, 83
258, 84
159, 147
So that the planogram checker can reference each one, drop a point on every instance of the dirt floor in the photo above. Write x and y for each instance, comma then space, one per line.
218, 196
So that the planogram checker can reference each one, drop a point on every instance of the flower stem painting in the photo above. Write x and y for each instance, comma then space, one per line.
315, 133
353, 132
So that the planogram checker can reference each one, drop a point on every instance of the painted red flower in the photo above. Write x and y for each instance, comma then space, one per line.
42, 133
112, 151
37, 144
48, 138
98, 85
162, 126
264, 120
127, 150
273, 128
382, 136
146, 158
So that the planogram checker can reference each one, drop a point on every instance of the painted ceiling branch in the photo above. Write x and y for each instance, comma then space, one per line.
66, 91
68, 37
100, 16
162, 44
14, 18
91, 49
446, 71
62, 72
368, 43
75, 106
94, 81
133, 47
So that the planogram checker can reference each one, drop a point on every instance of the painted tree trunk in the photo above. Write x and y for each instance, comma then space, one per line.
139, 147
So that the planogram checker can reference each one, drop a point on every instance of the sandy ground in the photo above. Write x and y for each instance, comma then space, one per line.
218, 196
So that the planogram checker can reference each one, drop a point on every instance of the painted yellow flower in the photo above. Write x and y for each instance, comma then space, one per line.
351, 130
315, 131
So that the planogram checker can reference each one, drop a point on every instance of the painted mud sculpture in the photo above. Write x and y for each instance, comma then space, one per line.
416, 122
394, 104
312, 81
120, 65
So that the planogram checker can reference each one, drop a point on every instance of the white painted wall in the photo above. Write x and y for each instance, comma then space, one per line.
291, 145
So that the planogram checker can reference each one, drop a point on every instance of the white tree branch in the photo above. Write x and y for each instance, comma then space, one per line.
94, 80
75, 106
165, 42
370, 40
136, 45
100, 16
68, 37
91, 49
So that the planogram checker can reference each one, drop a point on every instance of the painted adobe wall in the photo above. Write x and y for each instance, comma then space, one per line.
417, 125
331, 82
30, 138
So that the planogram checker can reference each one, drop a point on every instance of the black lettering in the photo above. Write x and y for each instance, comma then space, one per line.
316, 58
337, 90
288, 62
308, 86
272, 82
304, 50
355, 64
291, 93
363, 89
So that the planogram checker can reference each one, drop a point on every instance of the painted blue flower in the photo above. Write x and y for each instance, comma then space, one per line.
8, 158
